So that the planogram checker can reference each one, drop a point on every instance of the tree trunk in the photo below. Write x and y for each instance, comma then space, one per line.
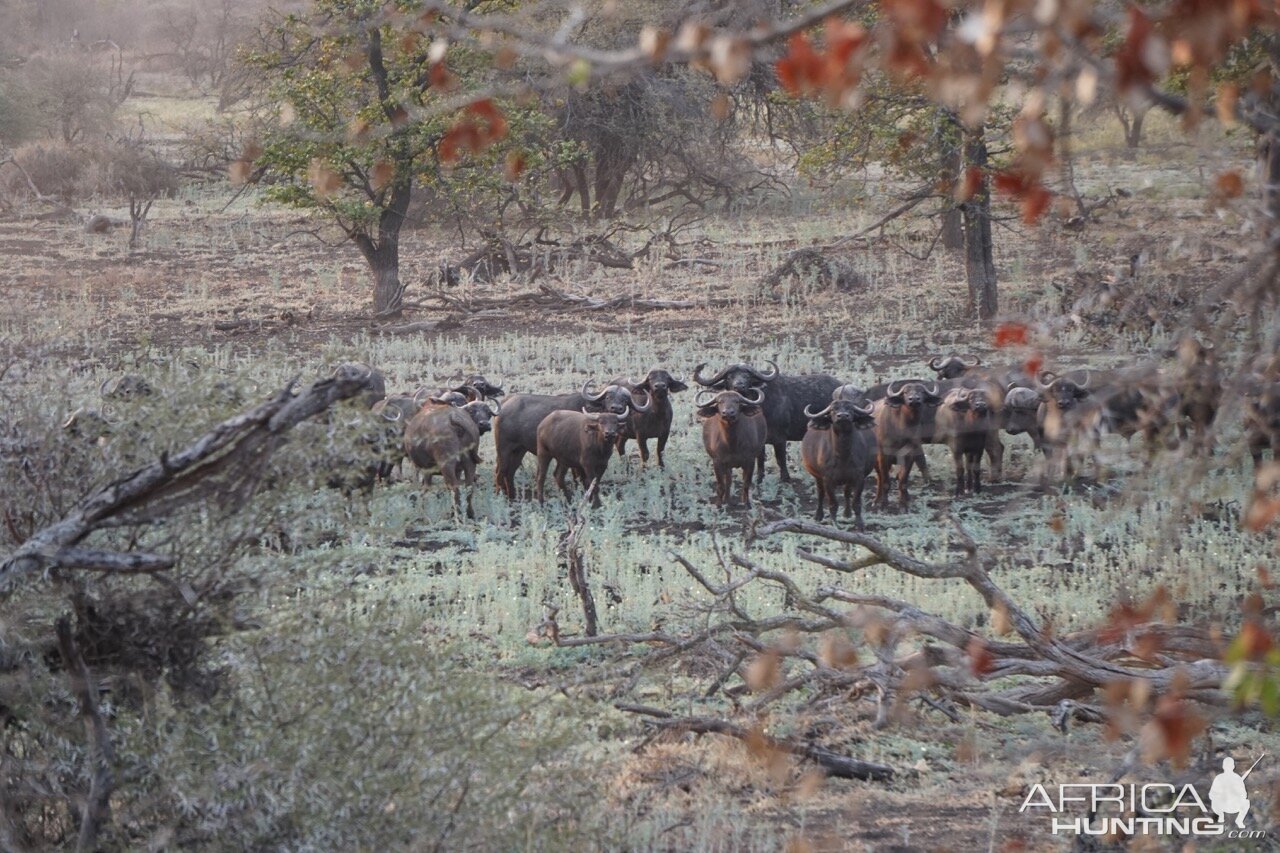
952, 218
383, 253
1133, 130
980, 267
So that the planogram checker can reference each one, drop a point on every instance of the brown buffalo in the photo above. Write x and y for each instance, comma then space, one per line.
580, 442
839, 450
904, 421
733, 433
965, 421
440, 439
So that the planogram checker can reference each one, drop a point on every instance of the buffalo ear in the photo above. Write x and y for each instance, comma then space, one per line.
675, 386
591, 425
749, 410
708, 411
820, 423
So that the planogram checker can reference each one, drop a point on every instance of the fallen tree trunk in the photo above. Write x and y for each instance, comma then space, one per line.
236, 450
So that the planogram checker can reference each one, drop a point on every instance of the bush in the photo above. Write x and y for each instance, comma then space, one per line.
56, 168
241, 716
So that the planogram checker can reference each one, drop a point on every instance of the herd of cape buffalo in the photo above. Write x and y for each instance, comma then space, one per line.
846, 431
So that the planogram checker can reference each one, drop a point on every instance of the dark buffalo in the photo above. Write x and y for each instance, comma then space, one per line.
953, 366
1125, 402
1019, 415
1262, 418
375, 387
659, 385
1198, 384
839, 450
580, 442
516, 431
965, 421
904, 420
1067, 413
785, 400
440, 439
733, 433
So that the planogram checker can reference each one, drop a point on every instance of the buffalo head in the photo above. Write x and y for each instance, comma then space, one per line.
616, 399
1061, 390
736, 377
841, 415
483, 412
728, 405
1020, 408
608, 425
913, 395
953, 366
661, 384
968, 400
481, 386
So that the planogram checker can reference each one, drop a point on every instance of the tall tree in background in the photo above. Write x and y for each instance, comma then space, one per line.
360, 121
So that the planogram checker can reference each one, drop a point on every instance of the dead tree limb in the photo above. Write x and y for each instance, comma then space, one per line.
97, 803
237, 449
835, 764
572, 550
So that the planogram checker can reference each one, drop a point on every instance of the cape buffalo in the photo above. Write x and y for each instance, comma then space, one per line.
904, 419
785, 399
839, 449
440, 440
659, 385
964, 422
516, 431
733, 433
580, 442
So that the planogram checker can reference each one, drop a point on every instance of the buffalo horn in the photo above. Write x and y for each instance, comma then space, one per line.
595, 398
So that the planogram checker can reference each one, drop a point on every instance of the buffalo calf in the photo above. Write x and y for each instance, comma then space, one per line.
580, 442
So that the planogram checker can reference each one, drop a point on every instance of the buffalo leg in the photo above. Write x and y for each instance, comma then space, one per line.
719, 499
662, 445
905, 459
746, 483
995, 452
882, 479
541, 479
848, 499
561, 471
644, 450
622, 446
760, 467
820, 487
961, 474
780, 453
975, 471
923, 465
857, 502
507, 465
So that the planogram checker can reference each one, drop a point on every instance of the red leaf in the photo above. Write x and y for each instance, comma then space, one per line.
980, 660
969, 186
514, 166
1034, 203
1131, 66
1011, 334
439, 77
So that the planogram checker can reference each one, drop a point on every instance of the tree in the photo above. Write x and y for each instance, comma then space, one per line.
361, 117
137, 172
